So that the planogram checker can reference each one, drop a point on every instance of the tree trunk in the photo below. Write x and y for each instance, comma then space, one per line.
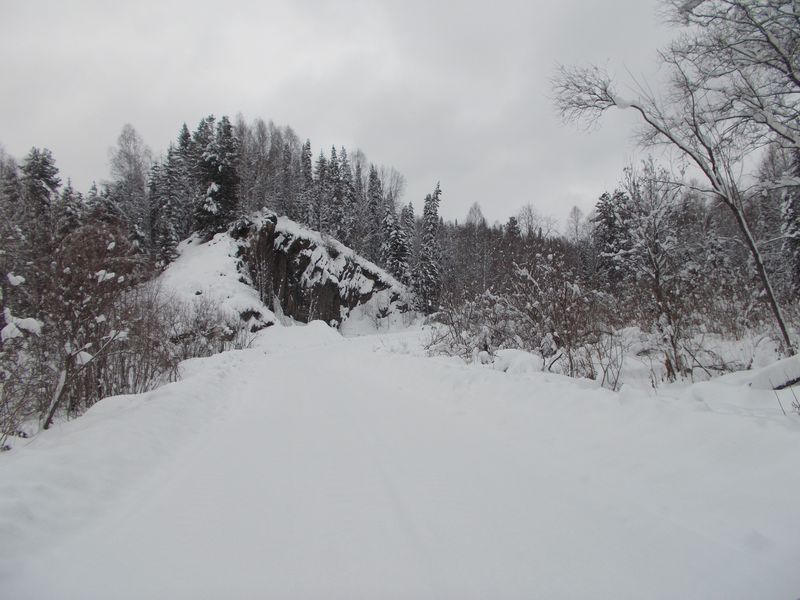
763, 276
58, 393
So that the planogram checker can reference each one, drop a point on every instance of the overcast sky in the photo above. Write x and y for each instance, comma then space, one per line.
456, 92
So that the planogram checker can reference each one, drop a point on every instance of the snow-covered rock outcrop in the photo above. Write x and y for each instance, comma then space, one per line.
309, 276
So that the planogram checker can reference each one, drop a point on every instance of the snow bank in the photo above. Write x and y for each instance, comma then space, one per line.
776, 375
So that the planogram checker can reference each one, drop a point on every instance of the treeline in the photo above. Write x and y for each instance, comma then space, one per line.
652, 254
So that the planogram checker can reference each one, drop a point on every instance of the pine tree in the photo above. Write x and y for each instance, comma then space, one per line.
395, 249
321, 194
186, 183
335, 214
287, 195
611, 235
204, 208
165, 187
409, 225
217, 205
388, 227
348, 200
69, 211
228, 176
359, 228
40, 184
306, 195
374, 216
509, 250
429, 280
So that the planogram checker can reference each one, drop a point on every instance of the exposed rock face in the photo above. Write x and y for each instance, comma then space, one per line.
310, 276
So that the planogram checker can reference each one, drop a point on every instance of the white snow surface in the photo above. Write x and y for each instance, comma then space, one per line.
15, 280
15, 326
208, 271
317, 466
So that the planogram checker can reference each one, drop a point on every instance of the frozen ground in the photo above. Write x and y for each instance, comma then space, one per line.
314, 466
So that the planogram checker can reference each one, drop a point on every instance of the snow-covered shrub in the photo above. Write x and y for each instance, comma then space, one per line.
139, 358
18, 389
559, 314
543, 310
202, 328
484, 323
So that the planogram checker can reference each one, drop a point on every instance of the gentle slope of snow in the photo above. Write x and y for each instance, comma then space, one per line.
314, 466
208, 272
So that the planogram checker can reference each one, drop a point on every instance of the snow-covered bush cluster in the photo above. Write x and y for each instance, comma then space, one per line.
655, 276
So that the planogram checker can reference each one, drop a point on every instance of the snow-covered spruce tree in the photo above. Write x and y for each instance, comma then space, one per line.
68, 210
217, 204
610, 235
348, 200
40, 183
374, 215
409, 224
322, 189
36, 225
305, 210
388, 226
429, 279
335, 214
186, 185
287, 203
394, 250
202, 139
166, 212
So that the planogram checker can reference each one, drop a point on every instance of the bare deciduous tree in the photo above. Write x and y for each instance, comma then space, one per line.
732, 89
131, 160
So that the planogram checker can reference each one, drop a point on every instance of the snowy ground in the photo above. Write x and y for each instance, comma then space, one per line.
314, 466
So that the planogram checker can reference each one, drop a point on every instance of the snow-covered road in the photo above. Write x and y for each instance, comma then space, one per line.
317, 467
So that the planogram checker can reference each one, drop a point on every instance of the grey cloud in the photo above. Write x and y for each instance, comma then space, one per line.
456, 92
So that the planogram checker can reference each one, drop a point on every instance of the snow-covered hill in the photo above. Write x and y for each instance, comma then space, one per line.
270, 265
388, 474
